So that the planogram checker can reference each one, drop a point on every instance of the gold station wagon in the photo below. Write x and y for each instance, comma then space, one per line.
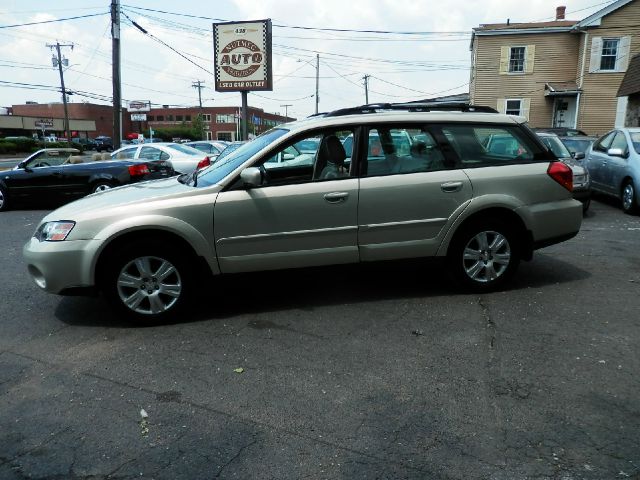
415, 181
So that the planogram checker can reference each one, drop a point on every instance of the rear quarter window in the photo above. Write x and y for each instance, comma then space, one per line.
489, 145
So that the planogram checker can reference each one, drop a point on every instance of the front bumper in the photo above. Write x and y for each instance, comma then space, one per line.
57, 267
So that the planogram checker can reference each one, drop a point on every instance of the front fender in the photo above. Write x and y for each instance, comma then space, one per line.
157, 222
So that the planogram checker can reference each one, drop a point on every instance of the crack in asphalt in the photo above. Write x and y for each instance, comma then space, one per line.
242, 449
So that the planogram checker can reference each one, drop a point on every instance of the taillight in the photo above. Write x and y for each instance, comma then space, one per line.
138, 170
562, 174
205, 162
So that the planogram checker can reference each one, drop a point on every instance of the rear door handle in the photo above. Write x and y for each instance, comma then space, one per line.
451, 187
336, 197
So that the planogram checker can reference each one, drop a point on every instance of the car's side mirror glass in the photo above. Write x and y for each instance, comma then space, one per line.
288, 156
615, 152
251, 177
579, 155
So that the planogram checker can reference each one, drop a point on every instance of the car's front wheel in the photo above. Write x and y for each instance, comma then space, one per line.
484, 255
629, 198
148, 282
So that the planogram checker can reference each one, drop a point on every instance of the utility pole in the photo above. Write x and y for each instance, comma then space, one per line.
199, 85
366, 89
286, 106
115, 60
317, 81
58, 61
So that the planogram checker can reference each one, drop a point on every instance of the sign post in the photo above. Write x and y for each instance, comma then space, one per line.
243, 60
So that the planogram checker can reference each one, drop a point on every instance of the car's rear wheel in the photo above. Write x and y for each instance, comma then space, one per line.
484, 255
629, 198
148, 282
101, 187
3, 199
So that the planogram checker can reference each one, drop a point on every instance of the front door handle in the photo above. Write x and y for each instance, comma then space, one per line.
336, 197
450, 187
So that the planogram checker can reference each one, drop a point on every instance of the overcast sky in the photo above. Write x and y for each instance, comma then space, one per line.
401, 66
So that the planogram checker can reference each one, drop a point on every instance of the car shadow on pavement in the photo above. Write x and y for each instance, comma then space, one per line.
309, 288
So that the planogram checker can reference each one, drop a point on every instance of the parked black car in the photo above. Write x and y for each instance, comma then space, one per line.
56, 175
104, 144
562, 131
87, 143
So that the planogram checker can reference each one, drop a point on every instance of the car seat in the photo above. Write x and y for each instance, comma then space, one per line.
331, 157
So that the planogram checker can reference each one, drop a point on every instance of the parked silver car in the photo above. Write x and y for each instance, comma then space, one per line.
183, 158
613, 162
444, 194
581, 180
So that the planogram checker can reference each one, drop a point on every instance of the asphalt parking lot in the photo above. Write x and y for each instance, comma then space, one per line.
374, 371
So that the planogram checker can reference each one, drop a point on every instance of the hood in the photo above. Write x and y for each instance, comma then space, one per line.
124, 197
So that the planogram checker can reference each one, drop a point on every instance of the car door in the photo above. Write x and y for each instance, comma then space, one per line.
596, 161
409, 191
615, 167
40, 175
295, 217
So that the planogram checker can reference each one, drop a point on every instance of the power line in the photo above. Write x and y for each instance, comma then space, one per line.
52, 21
282, 25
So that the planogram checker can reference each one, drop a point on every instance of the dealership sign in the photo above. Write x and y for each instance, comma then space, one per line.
243, 55
44, 122
139, 106
138, 117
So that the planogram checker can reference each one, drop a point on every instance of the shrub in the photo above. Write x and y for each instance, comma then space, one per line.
8, 147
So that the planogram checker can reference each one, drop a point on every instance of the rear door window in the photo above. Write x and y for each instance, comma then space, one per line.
396, 149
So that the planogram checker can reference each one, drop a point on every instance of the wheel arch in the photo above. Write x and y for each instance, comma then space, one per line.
504, 214
172, 239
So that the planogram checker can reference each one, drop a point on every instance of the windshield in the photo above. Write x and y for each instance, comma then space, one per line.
556, 146
577, 145
220, 169
635, 140
187, 150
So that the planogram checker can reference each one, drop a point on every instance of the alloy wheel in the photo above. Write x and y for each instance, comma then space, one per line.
149, 285
486, 256
627, 197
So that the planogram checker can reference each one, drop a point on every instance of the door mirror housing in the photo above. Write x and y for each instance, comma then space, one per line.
287, 156
579, 156
616, 152
251, 177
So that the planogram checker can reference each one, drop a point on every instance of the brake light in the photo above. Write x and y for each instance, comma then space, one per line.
562, 174
138, 170
205, 162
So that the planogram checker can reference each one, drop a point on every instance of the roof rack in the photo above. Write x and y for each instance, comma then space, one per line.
412, 107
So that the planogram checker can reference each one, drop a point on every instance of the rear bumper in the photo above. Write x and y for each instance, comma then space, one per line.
552, 222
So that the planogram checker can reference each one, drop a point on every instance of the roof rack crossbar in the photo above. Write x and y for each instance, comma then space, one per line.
412, 107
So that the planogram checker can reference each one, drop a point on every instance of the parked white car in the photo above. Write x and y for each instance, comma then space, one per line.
183, 158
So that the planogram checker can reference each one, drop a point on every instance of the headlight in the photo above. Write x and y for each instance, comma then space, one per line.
54, 231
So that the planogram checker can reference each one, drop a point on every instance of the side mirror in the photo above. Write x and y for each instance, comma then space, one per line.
579, 155
288, 156
616, 152
251, 177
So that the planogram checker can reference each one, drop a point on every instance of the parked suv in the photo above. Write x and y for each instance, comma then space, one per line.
442, 194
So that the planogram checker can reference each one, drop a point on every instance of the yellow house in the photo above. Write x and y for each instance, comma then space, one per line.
561, 73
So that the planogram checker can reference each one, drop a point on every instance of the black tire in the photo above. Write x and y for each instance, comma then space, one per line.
4, 199
101, 186
484, 255
629, 198
157, 295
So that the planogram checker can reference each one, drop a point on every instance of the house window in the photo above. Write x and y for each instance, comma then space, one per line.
170, 118
150, 118
609, 53
225, 118
206, 117
516, 59
187, 118
178, 118
513, 107
160, 118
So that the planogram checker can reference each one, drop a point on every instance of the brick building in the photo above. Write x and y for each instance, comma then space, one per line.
102, 115
219, 122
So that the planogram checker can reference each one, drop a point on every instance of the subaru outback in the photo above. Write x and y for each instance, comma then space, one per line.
431, 189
